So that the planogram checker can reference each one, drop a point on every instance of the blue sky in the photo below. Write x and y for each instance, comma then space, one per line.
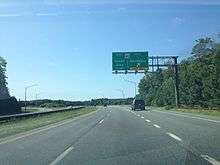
65, 46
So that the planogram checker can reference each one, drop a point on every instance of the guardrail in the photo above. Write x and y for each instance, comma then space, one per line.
31, 114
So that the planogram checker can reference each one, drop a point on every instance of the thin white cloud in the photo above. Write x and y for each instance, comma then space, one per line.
52, 63
75, 49
37, 14
169, 40
46, 14
10, 15
186, 2
178, 20
74, 2
100, 2
121, 9
21, 15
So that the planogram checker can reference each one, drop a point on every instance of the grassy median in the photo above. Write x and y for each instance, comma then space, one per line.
20, 125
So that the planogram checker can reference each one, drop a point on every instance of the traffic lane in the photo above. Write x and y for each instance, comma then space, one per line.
43, 147
203, 136
123, 138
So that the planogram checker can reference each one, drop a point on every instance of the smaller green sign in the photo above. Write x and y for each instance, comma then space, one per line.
129, 61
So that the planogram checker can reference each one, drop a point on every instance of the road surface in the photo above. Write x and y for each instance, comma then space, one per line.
116, 135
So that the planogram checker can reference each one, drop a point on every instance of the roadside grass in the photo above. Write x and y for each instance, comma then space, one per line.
196, 111
200, 111
12, 127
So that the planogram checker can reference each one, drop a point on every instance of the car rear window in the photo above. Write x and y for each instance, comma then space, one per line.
139, 101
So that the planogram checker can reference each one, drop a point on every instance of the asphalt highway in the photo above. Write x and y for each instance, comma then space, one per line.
118, 136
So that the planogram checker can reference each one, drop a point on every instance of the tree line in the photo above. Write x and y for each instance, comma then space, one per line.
62, 103
4, 93
8, 105
199, 79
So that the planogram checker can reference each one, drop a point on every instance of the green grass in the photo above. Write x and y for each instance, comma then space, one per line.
201, 111
20, 125
198, 111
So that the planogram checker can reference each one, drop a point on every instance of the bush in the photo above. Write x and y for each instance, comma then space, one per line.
212, 104
168, 107
9, 106
52, 105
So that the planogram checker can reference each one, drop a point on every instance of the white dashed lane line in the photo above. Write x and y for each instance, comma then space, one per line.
174, 136
61, 156
206, 157
210, 160
101, 121
157, 126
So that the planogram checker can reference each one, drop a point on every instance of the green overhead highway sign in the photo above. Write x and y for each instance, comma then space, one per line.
130, 61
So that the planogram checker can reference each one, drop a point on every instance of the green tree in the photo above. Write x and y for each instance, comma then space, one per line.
3, 83
199, 78
203, 47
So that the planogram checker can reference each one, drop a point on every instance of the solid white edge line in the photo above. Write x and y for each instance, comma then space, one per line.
147, 120
35, 132
187, 116
157, 126
174, 136
210, 160
61, 156
101, 121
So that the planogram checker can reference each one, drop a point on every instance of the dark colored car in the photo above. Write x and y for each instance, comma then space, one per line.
138, 105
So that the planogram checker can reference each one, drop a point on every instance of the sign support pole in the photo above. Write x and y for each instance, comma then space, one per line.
176, 82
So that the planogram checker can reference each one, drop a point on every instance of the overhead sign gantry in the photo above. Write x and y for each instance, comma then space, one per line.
129, 62
139, 62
